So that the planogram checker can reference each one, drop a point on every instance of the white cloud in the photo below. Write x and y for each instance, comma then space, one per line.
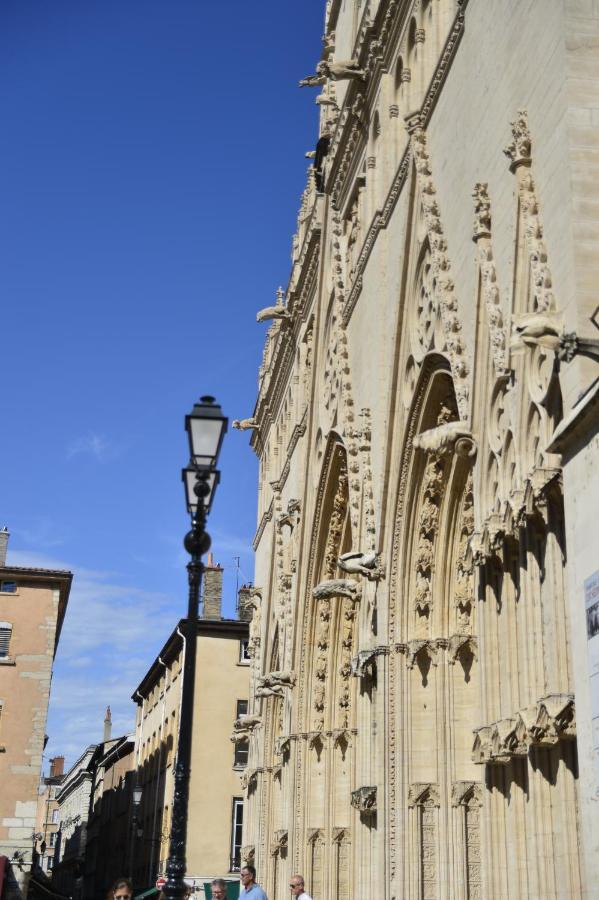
94, 445
111, 635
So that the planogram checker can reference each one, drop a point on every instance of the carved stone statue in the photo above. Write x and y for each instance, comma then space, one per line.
336, 587
535, 329
245, 424
451, 436
356, 562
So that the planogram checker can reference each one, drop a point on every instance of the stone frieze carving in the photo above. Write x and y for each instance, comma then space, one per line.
364, 799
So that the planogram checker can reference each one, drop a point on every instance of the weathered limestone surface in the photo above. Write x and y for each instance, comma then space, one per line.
429, 746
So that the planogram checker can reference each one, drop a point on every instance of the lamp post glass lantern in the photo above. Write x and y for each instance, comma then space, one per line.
205, 426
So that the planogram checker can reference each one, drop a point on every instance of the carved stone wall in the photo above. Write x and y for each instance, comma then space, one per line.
421, 717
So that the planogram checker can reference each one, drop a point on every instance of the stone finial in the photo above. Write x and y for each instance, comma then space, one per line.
520, 147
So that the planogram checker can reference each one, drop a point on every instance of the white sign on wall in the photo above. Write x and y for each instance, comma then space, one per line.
591, 602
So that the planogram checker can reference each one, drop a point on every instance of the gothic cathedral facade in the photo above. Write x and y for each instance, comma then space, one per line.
413, 712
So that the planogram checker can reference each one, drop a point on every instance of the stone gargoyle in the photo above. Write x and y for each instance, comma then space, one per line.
451, 436
273, 313
536, 330
336, 587
274, 683
357, 563
243, 727
245, 424
346, 70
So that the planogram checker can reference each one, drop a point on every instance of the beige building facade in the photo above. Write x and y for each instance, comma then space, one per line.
48, 815
419, 633
215, 815
33, 603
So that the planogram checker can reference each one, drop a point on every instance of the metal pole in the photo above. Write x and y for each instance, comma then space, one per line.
196, 542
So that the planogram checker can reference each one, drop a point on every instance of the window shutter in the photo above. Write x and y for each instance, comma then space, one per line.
5, 633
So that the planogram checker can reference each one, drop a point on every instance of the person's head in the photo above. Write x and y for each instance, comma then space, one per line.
219, 889
297, 885
122, 889
248, 876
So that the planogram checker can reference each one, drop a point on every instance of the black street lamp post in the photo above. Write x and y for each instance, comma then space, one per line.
136, 795
205, 427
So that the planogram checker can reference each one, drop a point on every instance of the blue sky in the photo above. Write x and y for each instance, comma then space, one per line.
151, 164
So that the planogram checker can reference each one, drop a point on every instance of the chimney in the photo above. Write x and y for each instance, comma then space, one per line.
107, 725
4, 536
243, 598
57, 767
213, 590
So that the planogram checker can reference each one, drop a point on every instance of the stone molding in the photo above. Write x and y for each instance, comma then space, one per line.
550, 720
464, 793
431, 647
423, 793
361, 663
523, 503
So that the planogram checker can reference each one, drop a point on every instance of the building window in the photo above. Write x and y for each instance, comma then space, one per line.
236, 834
242, 708
242, 750
8, 587
244, 653
52, 837
55, 813
49, 862
5, 634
